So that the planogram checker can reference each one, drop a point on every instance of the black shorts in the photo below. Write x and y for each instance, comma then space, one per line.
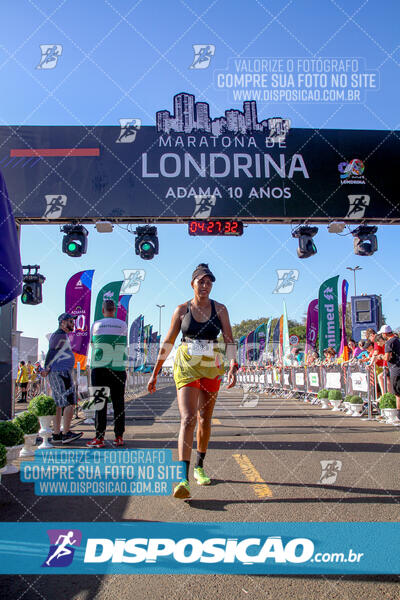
395, 381
23, 386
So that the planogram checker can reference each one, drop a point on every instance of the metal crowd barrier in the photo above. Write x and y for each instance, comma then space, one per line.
305, 382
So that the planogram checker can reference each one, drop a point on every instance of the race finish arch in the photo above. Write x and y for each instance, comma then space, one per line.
191, 166
257, 171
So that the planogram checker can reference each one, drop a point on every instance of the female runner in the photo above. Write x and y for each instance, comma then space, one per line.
198, 370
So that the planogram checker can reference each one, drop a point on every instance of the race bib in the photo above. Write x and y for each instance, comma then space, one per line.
200, 348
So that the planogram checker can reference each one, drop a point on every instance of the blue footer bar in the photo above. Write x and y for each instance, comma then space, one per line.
141, 547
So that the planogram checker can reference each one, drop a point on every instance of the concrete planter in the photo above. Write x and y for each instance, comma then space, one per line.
29, 445
12, 454
356, 409
45, 432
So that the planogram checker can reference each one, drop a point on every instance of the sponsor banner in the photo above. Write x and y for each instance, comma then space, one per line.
313, 380
276, 376
358, 382
123, 307
312, 326
287, 379
78, 294
299, 379
110, 291
344, 349
328, 315
333, 380
246, 548
269, 377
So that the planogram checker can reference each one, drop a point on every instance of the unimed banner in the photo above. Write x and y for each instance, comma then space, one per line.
78, 293
110, 291
328, 315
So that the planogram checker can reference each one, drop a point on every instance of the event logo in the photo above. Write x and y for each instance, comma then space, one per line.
330, 470
191, 550
50, 55
286, 280
328, 293
62, 547
203, 54
278, 129
204, 206
98, 397
129, 129
132, 280
357, 206
54, 206
352, 171
250, 399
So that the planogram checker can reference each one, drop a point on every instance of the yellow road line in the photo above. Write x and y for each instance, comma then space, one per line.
260, 488
216, 422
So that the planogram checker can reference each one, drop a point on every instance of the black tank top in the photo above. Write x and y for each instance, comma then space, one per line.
194, 330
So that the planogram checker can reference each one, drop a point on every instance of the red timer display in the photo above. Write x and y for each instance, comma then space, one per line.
223, 227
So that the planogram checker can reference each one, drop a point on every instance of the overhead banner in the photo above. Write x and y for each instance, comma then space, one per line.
248, 165
328, 315
110, 291
78, 294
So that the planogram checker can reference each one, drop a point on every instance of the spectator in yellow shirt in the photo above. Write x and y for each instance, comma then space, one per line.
23, 380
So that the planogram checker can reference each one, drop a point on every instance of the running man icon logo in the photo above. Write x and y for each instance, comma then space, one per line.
250, 398
330, 470
129, 129
286, 280
278, 129
61, 551
54, 206
204, 206
358, 203
203, 54
98, 396
50, 55
132, 280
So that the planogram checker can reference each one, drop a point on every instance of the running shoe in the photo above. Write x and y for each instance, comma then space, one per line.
201, 477
57, 438
182, 490
96, 443
70, 436
118, 441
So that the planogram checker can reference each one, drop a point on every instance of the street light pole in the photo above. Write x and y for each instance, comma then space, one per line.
160, 306
357, 268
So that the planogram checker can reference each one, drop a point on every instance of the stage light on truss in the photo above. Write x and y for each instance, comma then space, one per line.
365, 240
32, 285
307, 247
146, 241
75, 240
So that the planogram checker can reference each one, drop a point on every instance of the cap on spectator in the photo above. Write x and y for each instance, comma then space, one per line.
385, 329
65, 317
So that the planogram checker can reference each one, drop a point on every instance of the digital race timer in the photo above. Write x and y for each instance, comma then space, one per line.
222, 227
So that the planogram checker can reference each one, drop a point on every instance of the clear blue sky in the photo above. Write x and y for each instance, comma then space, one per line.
128, 59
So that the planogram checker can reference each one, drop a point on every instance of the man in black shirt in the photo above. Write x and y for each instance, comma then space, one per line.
392, 356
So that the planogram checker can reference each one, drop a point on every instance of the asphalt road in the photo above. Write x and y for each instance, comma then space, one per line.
265, 462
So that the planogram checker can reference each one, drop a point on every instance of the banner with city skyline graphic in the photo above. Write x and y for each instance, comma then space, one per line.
190, 165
